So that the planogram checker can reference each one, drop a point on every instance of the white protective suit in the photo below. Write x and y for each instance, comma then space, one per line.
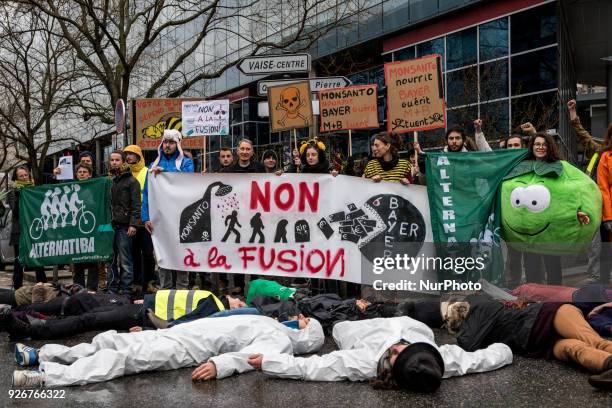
362, 344
227, 341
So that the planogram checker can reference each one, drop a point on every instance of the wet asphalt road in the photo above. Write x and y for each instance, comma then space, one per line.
527, 383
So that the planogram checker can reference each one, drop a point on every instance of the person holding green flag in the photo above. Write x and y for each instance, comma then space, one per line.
22, 179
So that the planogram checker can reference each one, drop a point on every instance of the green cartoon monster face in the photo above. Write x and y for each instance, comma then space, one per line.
539, 209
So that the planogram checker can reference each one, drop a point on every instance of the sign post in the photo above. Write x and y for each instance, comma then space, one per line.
275, 64
316, 84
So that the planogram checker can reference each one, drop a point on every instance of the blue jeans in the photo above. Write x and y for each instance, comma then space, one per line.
196, 314
122, 248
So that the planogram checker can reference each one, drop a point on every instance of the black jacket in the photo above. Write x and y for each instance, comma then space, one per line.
253, 167
13, 202
125, 200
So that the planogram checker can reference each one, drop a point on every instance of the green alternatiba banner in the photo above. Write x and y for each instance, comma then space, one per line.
66, 223
463, 190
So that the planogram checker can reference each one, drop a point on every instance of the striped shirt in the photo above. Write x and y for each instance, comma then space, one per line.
401, 170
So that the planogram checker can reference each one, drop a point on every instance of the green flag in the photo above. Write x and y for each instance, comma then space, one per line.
463, 190
66, 223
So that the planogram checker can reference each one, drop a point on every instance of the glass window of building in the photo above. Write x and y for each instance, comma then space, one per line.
540, 109
462, 87
421, 9
494, 117
405, 54
348, 31
432, 47
395, 14
494, 80
534, 71
370, 22
493, 39
463, 117
534, 28
461, 49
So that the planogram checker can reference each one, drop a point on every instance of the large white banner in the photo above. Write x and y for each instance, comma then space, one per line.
293, 225
205, 118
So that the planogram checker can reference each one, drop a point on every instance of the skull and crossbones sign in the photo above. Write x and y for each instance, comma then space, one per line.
291, 102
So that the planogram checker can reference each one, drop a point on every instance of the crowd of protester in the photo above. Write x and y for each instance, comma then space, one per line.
266, 325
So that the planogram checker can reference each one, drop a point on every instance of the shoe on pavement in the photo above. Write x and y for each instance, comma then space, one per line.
28, 379
158, 322
602, 381
25, 355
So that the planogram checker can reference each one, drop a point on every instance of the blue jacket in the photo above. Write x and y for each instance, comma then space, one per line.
169, 165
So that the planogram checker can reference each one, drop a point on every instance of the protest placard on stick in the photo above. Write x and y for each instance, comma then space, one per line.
348, 108
415, 100
290, 106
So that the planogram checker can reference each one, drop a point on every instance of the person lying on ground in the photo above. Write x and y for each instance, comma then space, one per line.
114, 314
40, 293
220, 347
539, 330
397, 352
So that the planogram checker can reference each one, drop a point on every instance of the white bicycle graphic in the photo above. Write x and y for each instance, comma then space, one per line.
86, 223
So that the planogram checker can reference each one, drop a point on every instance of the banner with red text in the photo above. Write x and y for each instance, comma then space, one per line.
312, 226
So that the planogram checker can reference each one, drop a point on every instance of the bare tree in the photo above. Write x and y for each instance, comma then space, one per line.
37, 77
169, 47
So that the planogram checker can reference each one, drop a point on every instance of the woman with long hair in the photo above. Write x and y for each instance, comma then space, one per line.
386, 164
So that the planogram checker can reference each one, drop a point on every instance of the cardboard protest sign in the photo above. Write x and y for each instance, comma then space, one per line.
290, 106
414, 95
206, 118
348, 108
150, 117
297, 225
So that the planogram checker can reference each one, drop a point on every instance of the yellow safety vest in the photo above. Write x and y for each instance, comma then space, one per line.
142, 177
172, 304
592, 162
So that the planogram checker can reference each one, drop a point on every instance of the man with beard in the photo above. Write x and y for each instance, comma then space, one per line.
170, 159
457, 140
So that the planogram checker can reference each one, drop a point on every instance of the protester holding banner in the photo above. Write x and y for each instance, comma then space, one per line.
269, 159
142, 248
226, 159
387, 164
21, 180
83, 172
125, 209
457, 140
170, 159
245, 163
311, 159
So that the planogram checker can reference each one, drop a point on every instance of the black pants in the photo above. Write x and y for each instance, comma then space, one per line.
115, 318
534, 273
92, 275
7, 297
144, 261
18, 271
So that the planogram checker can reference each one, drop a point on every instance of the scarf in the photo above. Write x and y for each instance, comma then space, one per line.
388, 165
125, 168
23, 184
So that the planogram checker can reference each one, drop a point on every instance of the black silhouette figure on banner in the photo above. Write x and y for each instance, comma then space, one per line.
232, 220
281, 231
195, 219
302, 231
258, 227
